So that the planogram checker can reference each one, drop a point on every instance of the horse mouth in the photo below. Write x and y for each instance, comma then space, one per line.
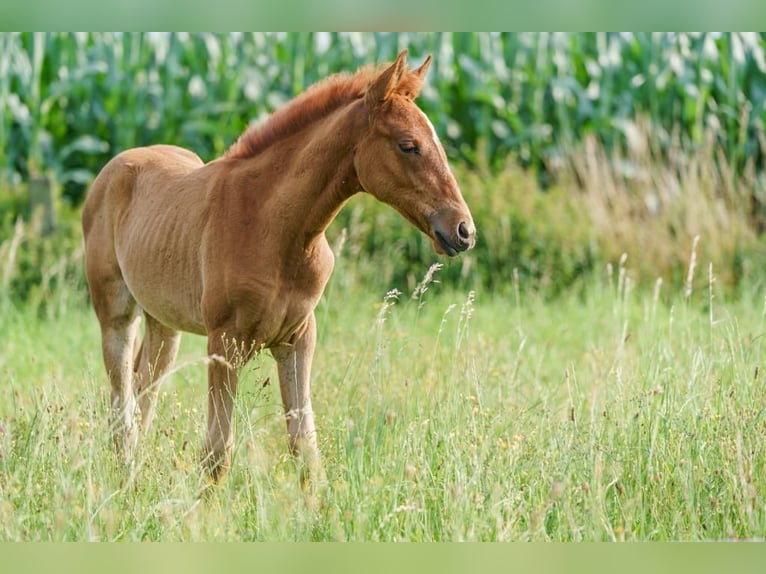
449, 247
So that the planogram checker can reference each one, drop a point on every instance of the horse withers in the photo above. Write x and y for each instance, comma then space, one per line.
235, 249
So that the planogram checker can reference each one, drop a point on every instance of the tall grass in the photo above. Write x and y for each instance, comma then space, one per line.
40, 271
653, 210
617, 414
459, 402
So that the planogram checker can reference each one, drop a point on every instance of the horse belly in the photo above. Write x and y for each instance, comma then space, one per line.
162, 271
170, 296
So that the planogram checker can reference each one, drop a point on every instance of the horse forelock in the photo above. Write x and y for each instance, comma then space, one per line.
317, 102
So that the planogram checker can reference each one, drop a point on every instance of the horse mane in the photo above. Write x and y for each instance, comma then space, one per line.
316, 102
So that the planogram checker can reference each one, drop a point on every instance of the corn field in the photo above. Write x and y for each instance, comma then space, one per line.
571, 148
70, 101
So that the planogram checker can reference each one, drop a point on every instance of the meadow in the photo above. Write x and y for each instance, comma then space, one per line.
613, 414
591, 371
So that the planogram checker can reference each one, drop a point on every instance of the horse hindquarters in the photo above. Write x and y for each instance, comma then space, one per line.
113, 303
134, 377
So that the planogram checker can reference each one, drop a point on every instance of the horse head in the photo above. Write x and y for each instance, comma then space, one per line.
402, 163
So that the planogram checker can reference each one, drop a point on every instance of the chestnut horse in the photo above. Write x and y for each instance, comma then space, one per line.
235, 249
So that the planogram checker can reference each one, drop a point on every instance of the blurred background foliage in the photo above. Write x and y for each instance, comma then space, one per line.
572, 148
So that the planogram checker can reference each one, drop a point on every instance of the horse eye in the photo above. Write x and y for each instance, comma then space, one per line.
409, 147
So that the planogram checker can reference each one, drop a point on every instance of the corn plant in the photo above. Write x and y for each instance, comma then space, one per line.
69, 102
72, 100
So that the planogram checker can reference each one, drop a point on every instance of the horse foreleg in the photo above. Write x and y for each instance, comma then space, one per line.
294, 367
222, 389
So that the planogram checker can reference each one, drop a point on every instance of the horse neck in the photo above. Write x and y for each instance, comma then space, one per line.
320, 178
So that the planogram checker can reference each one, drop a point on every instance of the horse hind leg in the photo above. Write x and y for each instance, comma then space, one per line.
156, 355
117, 314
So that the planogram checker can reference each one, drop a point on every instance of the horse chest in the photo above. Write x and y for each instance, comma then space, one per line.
272, 308
299, 296
294, 312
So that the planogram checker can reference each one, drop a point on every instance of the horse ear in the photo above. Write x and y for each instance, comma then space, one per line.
385, 84
421, 71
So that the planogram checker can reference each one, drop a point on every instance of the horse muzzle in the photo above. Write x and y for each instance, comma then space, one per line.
453, 238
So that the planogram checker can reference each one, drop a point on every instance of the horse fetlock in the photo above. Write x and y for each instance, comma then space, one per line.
125, 438
216, 459
123, 420
304, 448
216, 466
146, 409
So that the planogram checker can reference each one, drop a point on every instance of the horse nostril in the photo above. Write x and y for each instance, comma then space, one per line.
462, 231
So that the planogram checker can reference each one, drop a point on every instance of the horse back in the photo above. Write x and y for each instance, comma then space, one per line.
117, 183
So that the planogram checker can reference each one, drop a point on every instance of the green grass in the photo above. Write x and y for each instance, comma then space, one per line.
560, 401
611, 414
